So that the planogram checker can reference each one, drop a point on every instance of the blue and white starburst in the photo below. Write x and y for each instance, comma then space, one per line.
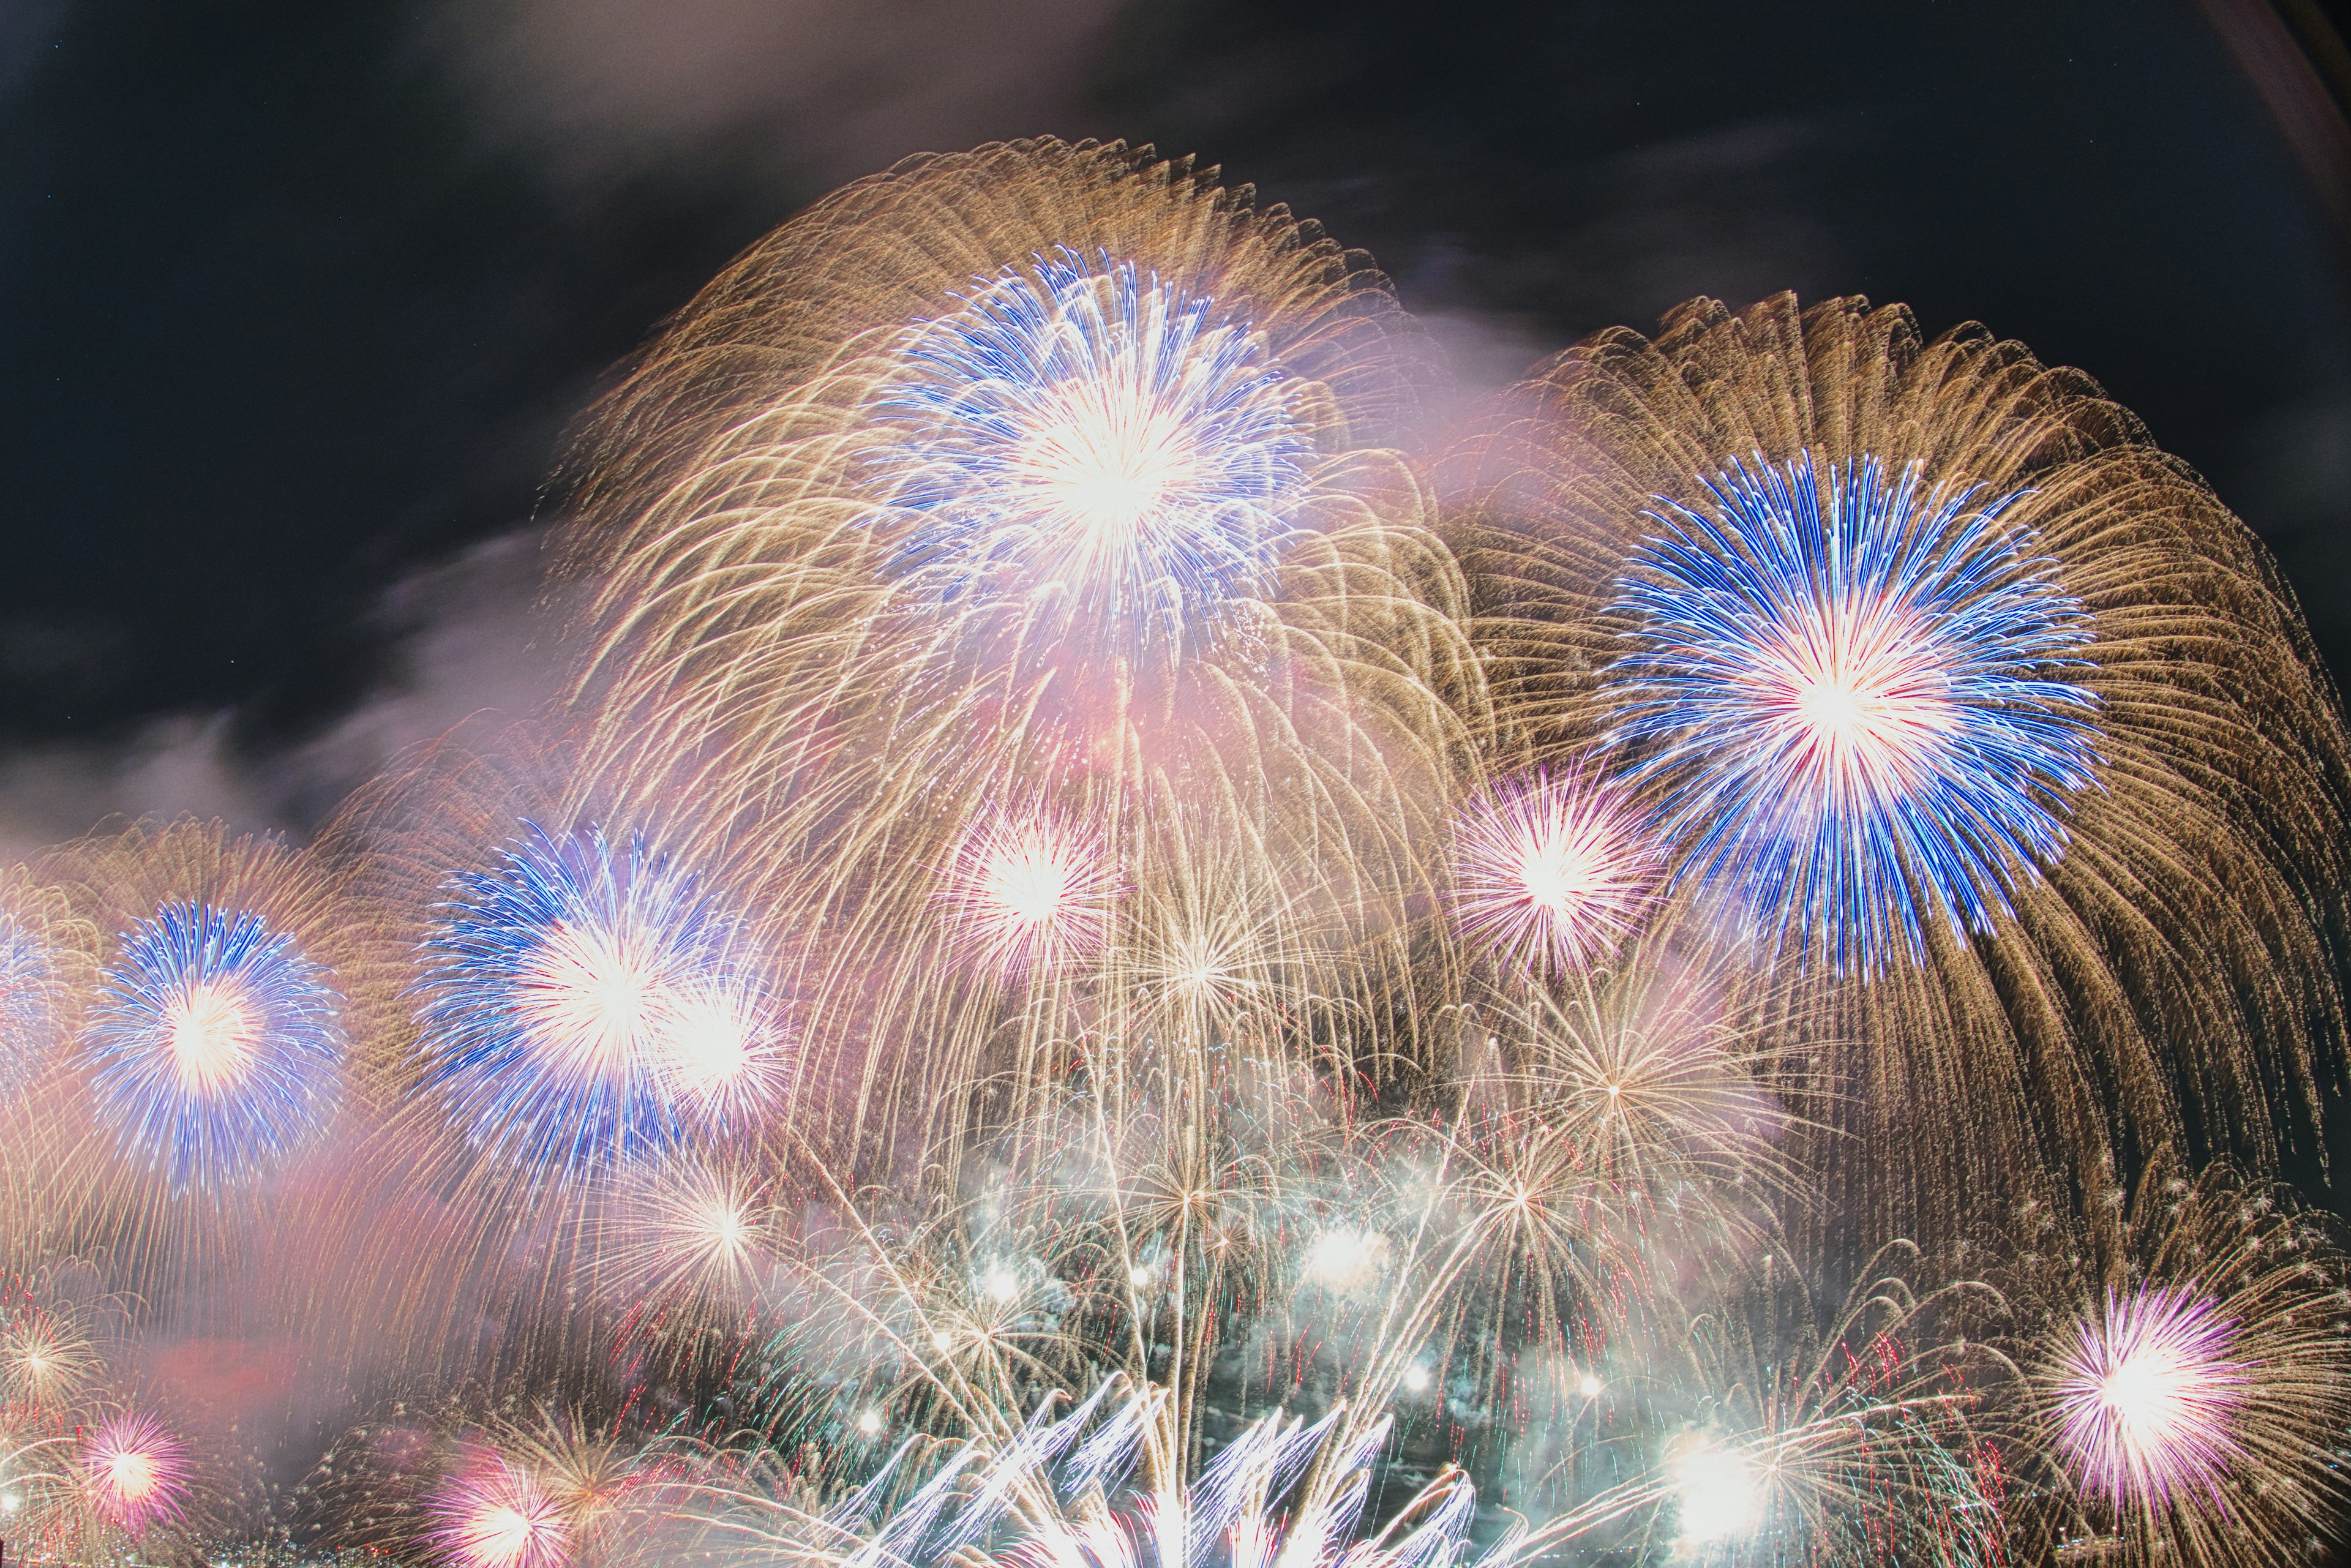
1094, 445
216, 1046
584, 1005
1851, 700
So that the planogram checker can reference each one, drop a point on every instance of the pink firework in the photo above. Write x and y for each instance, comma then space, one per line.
2147, 1397
1553, 873
493, 1513
1030, 895
136, 1472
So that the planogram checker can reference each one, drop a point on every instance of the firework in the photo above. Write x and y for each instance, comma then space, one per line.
1554, 874
1916, 651
1093, 447
2191, 1366
1083, 509
215, 1047
1843, 691
136, 1472
493, 1513
2147, 1399
1030, 895
43, 970
584, 1005
1777, 1437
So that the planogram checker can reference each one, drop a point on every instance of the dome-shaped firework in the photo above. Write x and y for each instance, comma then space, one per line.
1955, 700
1030, 497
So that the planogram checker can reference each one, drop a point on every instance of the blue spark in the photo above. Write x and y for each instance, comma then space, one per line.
1084, 440
216, 1046
1856, 721
583, 1005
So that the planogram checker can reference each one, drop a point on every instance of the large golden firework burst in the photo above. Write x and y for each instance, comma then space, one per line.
995, 554
2147, 951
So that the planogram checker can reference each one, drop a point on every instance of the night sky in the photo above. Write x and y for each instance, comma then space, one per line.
298, 298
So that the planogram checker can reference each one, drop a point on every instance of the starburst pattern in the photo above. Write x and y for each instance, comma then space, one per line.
1850, 695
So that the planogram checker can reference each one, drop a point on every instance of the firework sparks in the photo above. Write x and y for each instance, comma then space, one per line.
216, 1046
1553, 873
586, 1005
2147, 1396
1852, 693
1093, 433
493, 1513
136, 1471
1031, 896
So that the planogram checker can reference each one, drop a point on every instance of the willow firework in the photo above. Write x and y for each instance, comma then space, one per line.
1086, 509
1916, 651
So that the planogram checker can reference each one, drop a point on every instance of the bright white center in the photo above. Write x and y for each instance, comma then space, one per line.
1105, 463
1027, 882
1720, 1494
708, 1041
589, 999
214, 1036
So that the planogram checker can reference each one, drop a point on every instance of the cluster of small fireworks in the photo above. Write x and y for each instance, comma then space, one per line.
1107, 961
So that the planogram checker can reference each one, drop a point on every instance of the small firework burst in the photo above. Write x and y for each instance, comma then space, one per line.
1553, 873
136, 1472
215, 1045
494, 1514
585, 1003
1028, 896
2147, 1397
1850, 695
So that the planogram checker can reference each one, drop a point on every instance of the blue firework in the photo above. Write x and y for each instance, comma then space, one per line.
216, 1046
1851, 699
584, 1004
1086, 440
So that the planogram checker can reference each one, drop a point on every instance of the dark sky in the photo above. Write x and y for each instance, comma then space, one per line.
296, 298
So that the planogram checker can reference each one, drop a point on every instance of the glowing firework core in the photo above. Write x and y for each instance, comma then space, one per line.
2147, 1396
212, 1033
1720, 1494
1847, 692
1030, 895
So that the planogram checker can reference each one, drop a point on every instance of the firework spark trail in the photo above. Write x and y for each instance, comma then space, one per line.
1798, 1441
2164, 971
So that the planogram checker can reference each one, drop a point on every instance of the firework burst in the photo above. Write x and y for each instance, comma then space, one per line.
1030, 896
585, 1005
1914, 650
1554, 873
1080, 431
136, 1472
215, 1049
1844, 694
2147, 1399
